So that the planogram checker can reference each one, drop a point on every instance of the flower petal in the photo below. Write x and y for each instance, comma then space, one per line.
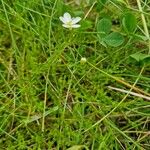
75, 26
67, 17
62, 19
75, 20
66, 26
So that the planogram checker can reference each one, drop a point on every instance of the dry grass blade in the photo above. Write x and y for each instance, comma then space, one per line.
131, 93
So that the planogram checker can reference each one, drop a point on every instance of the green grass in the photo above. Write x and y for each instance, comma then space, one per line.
49, 99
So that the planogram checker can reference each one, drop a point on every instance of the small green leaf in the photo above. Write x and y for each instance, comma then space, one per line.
104, 26
139, 57
129, 22
114, 39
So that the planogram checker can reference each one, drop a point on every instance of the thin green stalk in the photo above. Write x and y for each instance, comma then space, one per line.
45, 100
144, 24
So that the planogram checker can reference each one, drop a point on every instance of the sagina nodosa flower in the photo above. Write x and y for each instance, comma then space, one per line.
69, 22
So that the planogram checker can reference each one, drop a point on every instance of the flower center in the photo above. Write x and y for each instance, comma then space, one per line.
69, 23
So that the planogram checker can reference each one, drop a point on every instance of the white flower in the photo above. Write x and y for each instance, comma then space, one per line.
83, 60
69, 22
